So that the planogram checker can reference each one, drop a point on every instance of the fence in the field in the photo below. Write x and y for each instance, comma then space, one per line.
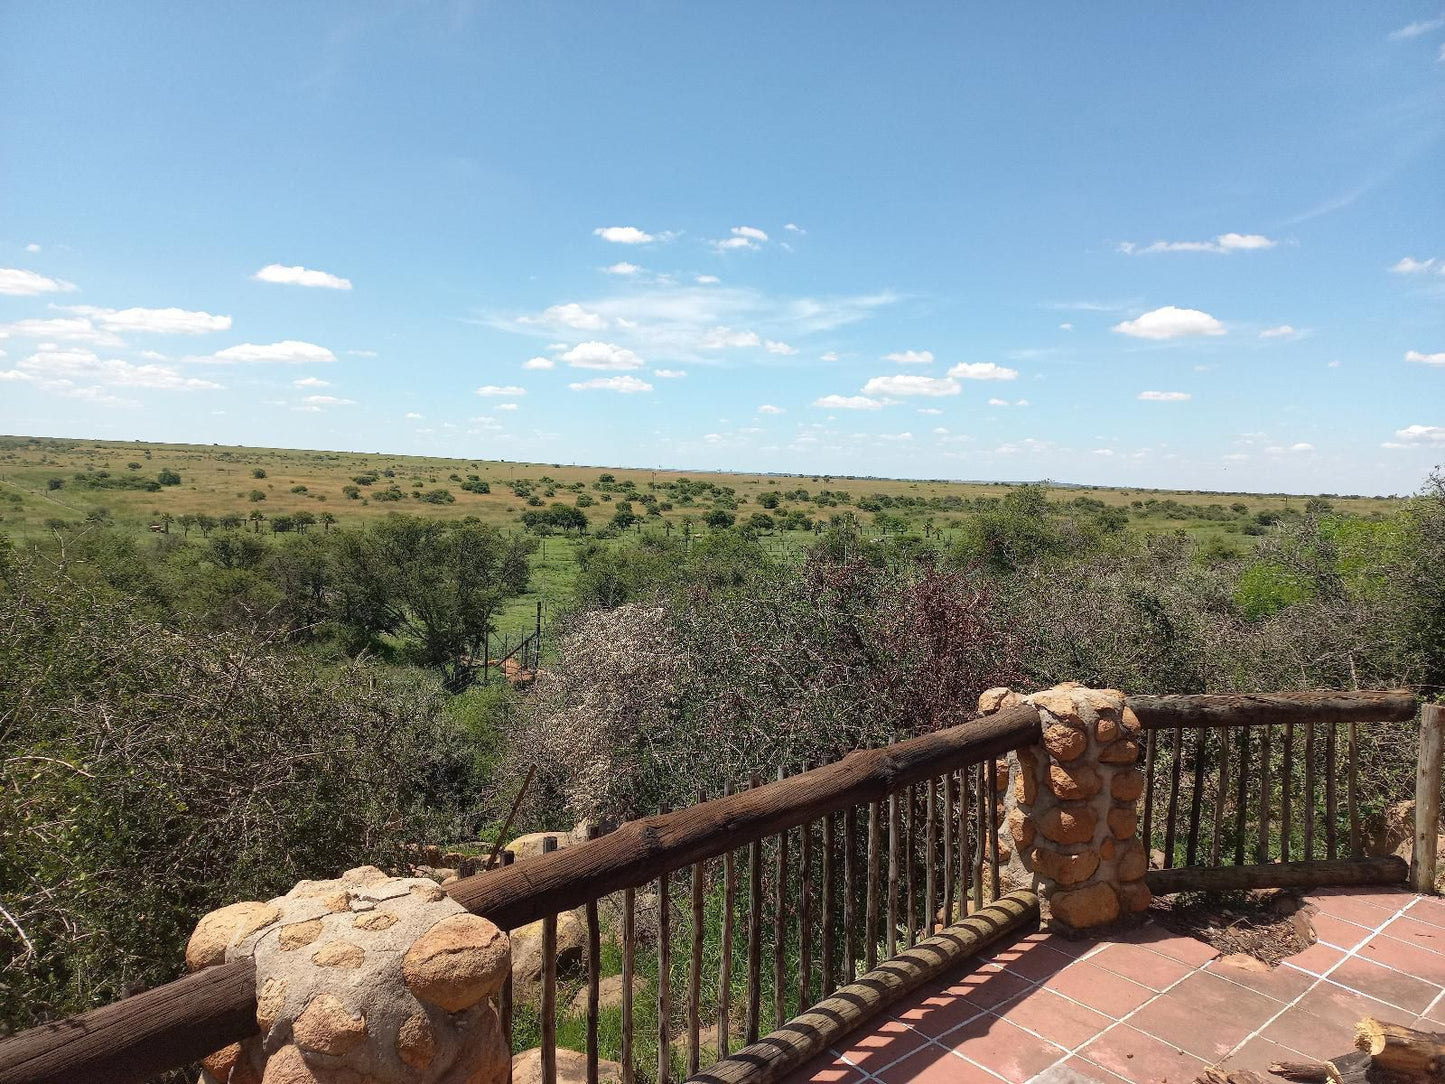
746, 910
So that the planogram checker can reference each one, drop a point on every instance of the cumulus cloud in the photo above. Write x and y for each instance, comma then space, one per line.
496, 389
998, 402
909, 384
1430, 436
327, 400
286, 352
929, 410
412, 416
768, 408
570, 315
670, 374
910, 357
982, 370
773, 346
301, 276
79, 329
830, 355
1170, 322
1284, 331
17, 282
849, 402
707, 280
1066, 326
168, 321
539, 363
627, 385
599, 355
622, 268
1408, 265
750, 232
1425, 359
623, 235
508, 406
310, 382
1224, 243
1414, 30
60, 370
1164, 396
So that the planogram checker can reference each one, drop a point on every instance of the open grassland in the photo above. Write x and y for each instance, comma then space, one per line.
43, 479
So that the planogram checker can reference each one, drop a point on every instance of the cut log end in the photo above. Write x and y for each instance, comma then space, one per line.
1416, 1055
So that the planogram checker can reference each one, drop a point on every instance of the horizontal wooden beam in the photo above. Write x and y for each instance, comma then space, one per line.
1260, 709
1388, 870
804, 1037
642, 850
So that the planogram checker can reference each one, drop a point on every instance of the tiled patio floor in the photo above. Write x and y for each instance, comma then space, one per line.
1157, 1008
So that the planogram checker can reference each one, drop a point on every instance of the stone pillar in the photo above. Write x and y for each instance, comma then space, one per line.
367, 979
1071, 813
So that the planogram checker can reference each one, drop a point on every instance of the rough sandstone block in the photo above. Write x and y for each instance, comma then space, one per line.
1065, 742
1021, 827
1135, 896
1123, 820
1085, 907
458, 962
1106, 729
1106, 849
1120, 752
1060, 704
1066, 869
996, 699
1127, 785
1074, 784
1000, 776
1026, 784
1132, 862
1129, 721
1072, 825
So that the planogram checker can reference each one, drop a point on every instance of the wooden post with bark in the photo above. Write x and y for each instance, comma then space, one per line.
1427, 797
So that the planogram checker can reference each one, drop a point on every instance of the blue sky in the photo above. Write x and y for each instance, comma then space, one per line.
1188, 245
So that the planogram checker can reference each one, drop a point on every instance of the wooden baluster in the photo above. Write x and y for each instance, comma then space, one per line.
1172, 811
504, 999
629, 971
850, 887
725, 963
694, 973
1196, 795
891, 940
594, 974
965, 851
755, 934
1309, 796
980, 830
909, 824
1331, 802
1286, 800
829, 842
949, 823
1146, 828
1242, 797
805, 919
930, 867
780, 928
1352, 792
664, 977
548, 1010
1221, 799
870, 913
1266, 734
992, 775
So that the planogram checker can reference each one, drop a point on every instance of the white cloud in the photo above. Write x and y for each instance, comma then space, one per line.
1170, 322
1414, 30
1333, 364
412, 416
1301, 447
361, 353
831, 355
32, 247
310, 382
622, 268
570, 315
58, 370
752, 233
300, 276
1022, 402
508, 406
627, 385
768, 408
707, 280
1284, 331
1408, 265
286, 352
670, 374
792, 227
623, 235
910, 357
998, 402
539, 363
773, 346
1066, 326
327, 400
929, 410
1225, 242
910, 384
720, 338
78, 329
1425, 359
169, 321
1164, 396
1432, 436
848, 402
733, 242
495, 389
17, 282
981, 370
895, 436
598, 355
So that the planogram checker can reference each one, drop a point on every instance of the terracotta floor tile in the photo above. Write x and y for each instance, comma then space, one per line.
1141, 965
1413, 931
1387, 984
935, 1065
1205, 1015
1428, 909
1411, 959
1187, 950
1312, 1036
1101, 990
1317, 959
1258, 1054
1338, 932
1142, 1059
1343, 1007
1056, 1018
1033, 961
884, 1044
825, 1070
1363, 908
985, 989
1007, 1050
1283, 983
1072, 947
940, 1009
1078, 1071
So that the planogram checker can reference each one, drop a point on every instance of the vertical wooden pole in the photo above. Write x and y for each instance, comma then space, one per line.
949, 884
629, 969
1266, 781
725, 963
548, 1009
1309, 795
930, 859
850, 888
504, 1001
1352, 792
755, 933
830, 841
780, 929
980, 831
1241, 797
891, 940
664, 976
1427, 798
694, 973
1146, 827
594, 974
1332, 807
1170, 822
965, 849
910, 834
870, 913
805, 918
1196, 795
1221, 799
1286, 801
992, 776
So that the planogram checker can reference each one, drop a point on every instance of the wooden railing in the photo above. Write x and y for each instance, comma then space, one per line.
825, 871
